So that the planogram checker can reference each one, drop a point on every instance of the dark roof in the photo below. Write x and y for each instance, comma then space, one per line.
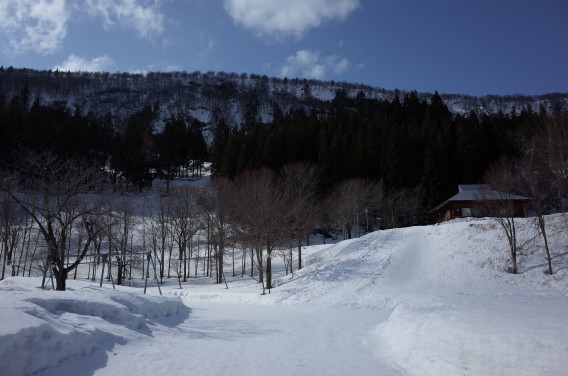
479, 192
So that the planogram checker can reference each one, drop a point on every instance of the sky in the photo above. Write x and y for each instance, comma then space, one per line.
463, 47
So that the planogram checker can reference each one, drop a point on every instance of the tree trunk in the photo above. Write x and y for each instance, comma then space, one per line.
220, 266
252, 262
542, 226
268, 271
243, 262
514, 246
184, 247
60, 278
120, 272
3, 262
259, 257
197, 257
299, 252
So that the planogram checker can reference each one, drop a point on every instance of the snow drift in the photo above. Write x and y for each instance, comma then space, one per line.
39, 329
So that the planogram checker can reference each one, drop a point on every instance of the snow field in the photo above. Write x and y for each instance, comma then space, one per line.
431, 300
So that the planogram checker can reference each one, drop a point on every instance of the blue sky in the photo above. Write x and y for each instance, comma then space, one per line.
468, 47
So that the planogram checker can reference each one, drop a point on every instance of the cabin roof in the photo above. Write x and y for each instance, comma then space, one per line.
479, 192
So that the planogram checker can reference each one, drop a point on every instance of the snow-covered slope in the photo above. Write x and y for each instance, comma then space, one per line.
465, 255
432, 300
455, 310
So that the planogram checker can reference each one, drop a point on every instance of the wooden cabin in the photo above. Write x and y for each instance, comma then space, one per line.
473, 200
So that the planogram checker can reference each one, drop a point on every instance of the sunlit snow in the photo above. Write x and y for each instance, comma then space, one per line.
431, 300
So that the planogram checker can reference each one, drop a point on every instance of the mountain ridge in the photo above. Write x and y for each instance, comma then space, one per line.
210, 96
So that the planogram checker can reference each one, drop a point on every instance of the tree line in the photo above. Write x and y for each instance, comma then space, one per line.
132, 150
57, 213
412, 145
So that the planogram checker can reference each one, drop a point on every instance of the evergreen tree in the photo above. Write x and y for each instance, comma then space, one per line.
170, 149
221, 137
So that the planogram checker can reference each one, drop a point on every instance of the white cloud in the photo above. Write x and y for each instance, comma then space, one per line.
338, 65
78, 64
141, 15
39, 25
309, 64
290, 17
210, 47
161, 67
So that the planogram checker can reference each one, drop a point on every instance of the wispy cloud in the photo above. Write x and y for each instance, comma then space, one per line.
309, 64
141, 15
41, 25
284, 18
78, 64
205, 51
33, 25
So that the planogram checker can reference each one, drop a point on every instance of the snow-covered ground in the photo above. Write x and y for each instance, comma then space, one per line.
432, 300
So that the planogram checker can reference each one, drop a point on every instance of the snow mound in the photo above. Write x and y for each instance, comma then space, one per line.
455, 310
474, 336
383, 267
41, 329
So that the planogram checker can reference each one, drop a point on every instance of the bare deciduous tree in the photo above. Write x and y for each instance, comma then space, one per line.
184, 222
544, 175
122, 223
12, 222
217, 204
350, 199
500, 202
261, 216
159, 236
300, 182
402, 208
54, 192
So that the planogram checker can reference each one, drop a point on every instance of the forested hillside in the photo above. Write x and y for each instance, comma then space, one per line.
234, 97
419, 149
166, 125
131, 150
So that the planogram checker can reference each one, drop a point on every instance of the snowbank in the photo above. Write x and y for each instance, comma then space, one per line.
41, 329
478, 335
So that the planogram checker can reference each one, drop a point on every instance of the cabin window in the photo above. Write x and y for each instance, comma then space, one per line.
476, 212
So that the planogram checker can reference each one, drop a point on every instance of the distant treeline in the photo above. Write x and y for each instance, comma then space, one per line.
131, 150
408, 143
208, 96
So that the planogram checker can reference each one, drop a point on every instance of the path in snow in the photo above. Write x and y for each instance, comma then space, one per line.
224, 339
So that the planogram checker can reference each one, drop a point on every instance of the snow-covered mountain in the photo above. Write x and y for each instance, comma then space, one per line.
212, 95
